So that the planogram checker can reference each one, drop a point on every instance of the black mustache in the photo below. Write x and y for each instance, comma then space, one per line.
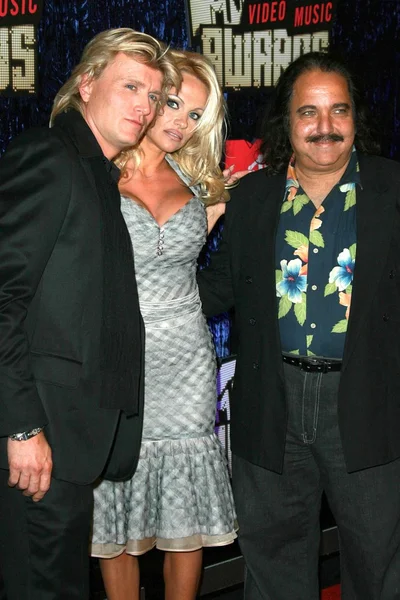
330, 137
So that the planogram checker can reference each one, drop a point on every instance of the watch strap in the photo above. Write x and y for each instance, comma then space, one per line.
25, 435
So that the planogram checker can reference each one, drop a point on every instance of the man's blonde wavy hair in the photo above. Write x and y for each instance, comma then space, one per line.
200, 157
101, 51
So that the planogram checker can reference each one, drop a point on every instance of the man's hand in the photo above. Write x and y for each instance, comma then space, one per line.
30, 466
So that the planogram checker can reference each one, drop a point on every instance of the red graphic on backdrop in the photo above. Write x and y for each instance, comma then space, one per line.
267, 12
313, 14
243, 155
300, 17
276, 12
15, 12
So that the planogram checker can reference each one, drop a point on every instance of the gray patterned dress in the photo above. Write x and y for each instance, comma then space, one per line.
180, 496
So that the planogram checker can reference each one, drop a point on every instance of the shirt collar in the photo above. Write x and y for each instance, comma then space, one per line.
112, 169
82, 136
351, 174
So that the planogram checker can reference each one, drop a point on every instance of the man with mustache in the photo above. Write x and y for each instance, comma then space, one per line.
310, 260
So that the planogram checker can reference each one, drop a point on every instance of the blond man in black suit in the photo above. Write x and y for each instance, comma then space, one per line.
70, 328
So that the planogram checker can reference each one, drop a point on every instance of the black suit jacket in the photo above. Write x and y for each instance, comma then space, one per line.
242, 274
51, 301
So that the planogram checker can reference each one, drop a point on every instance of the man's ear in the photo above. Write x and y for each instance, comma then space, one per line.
85, 87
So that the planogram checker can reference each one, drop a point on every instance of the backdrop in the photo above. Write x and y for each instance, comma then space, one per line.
365, 32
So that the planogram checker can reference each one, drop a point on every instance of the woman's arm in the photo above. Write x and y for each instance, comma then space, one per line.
215, 211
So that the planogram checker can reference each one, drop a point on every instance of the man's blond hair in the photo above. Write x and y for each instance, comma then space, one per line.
101, 51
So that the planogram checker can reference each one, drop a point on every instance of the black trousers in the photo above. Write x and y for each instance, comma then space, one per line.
44, 545
278, 515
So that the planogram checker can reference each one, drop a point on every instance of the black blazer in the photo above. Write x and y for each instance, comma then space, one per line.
51, 301
242, 274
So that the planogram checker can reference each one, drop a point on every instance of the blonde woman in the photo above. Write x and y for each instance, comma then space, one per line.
179, 499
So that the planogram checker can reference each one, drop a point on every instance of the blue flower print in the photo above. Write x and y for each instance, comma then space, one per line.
342, 276
347, 187
292, 283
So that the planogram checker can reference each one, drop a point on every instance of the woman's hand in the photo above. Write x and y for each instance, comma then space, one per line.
232, 179
215, 211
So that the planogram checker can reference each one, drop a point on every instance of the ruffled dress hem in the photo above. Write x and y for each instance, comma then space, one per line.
139, 547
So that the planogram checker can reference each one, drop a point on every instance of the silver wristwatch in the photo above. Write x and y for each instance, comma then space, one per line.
25, 435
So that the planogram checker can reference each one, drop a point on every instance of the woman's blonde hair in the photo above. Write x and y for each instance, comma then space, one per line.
200, 157
101, 51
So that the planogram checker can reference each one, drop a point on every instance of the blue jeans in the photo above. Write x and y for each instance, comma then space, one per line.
278, 515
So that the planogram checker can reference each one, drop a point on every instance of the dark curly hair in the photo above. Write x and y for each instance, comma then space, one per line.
275, 147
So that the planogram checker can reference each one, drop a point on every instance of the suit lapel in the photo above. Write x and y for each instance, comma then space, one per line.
264, 219
259, 248
99, 179
74, 130
375, 207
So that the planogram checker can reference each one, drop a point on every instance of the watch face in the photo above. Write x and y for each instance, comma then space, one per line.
19, 437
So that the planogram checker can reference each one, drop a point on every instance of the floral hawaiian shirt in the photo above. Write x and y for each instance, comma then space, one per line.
316, 254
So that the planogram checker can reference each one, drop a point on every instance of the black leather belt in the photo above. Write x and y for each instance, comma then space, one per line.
313, 365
